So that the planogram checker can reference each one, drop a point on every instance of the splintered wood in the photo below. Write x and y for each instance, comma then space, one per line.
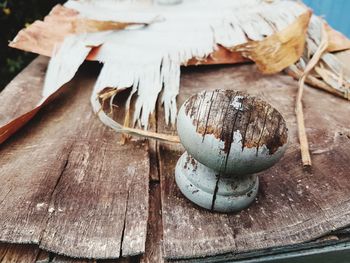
67, 184
22, 253
293, 205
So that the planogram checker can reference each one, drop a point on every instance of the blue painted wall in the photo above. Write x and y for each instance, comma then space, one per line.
336, 12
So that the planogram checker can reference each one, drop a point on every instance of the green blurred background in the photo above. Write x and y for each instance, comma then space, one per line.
14, 15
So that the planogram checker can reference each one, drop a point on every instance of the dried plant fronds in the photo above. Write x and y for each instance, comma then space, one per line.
148, 70
42, 37
147, 61
304, 145
221, 55
127, 130
91, 26
329, 74
317, 83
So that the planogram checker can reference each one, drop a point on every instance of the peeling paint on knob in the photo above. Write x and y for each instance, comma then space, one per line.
229, 136
232, 132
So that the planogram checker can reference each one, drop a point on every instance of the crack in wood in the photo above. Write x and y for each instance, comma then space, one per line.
53, 192
199, 110
3, 200
231, 135
262, 130
124, 224
208, 115
248, 123
216, 189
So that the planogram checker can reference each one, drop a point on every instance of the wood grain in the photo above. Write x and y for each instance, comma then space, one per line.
293, 205
68, 184
30, 167
14, 253
28, 85
62, 259
23, 253
43, 257
100, 202
153, 253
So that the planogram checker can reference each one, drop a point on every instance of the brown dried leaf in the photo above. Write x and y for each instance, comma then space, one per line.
91, 26
220, 56
337, 41
42, 36
280, 50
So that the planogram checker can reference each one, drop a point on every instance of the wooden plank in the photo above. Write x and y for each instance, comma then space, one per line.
62, 259
14, 253
153, 152
136, 216
30, 167
153, 149
100, 201
28, 85
110, 182
153, 253
120, 260
333, 252
293, 205
76, 190
43, 257
23, 253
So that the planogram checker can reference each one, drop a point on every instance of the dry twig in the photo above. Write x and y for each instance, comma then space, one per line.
304, 145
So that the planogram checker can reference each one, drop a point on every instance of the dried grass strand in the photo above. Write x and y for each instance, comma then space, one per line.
304, 144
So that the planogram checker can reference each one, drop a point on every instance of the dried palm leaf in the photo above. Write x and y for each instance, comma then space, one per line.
329, 74
145, 60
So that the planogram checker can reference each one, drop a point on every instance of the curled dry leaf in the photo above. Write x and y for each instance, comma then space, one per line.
42, 37
280, 50
62, 22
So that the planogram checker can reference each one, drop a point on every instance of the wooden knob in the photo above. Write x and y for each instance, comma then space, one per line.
229, 136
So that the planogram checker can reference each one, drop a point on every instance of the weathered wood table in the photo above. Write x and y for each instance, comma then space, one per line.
69, 187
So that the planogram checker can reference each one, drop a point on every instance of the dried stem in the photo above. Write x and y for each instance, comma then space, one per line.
153, 135
316, 83
304, 145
